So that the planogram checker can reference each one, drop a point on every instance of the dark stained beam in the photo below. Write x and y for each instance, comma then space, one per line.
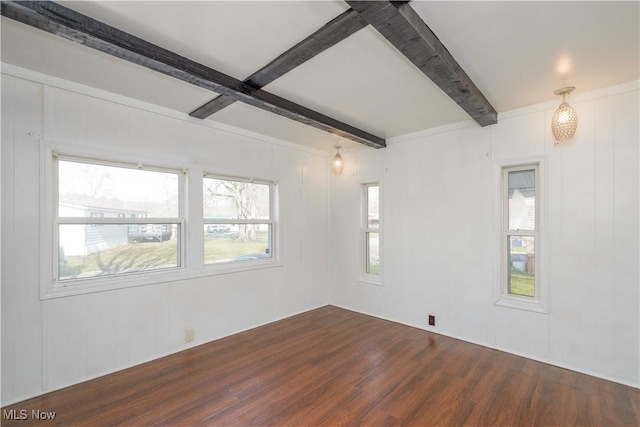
403, 28
67, 23
331, 33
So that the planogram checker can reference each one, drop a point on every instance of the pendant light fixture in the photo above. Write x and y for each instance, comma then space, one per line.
565, 120
337, 164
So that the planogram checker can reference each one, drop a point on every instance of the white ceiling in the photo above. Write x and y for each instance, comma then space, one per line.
517, 53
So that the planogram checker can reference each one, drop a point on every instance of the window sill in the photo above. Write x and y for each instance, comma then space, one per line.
101, 284
370, 280
521, 304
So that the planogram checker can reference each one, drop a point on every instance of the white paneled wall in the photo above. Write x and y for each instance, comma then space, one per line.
441, 234
441, 251
22, 314
51, 343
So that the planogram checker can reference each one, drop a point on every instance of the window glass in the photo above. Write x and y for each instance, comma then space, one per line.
92, 190
236, 242
373, 253
371, 230
228, 199
522, 200
86, 251
114, 219
238, 223
521, 274
373, 209
520, 231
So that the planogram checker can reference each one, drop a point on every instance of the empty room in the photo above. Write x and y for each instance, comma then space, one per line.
319, 213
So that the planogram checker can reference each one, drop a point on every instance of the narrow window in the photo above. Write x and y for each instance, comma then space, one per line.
371, 229
520, 231
112, 219
238, 220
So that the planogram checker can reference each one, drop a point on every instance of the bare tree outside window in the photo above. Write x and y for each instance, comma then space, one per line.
371, 229
237, 200
520, 231
129, 218
238, 222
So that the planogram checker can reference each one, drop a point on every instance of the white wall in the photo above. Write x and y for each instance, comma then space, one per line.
51, 343
441, 251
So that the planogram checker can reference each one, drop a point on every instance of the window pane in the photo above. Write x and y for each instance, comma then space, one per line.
235, 199
373, 206
236, 242
521, 272
89, 250
522, 200
96, 191
373, 253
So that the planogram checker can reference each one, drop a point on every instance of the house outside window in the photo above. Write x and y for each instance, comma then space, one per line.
239, 222
371, 231
520, 234
112, 219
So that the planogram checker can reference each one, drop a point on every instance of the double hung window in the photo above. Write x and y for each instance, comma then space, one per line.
520, 234
371, 230
238, 220
114, 219
115, 224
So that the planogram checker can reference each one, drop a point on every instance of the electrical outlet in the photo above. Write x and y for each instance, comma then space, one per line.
432, 320
190, 335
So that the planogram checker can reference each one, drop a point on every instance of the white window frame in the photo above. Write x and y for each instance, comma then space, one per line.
539, 302
364, 276
191, 236
57, 221
273, 240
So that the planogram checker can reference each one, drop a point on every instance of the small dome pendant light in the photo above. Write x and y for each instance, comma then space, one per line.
565, 120
337, 164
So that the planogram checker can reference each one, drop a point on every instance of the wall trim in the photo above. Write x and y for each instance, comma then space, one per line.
536, 108
431, 131
150, 359
575, 99
499, 348
47, 80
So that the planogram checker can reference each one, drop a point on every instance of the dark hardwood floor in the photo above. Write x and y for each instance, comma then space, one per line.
335, 367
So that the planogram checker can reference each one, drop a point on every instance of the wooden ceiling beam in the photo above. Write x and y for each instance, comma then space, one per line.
331, 33
404, 29
74, 26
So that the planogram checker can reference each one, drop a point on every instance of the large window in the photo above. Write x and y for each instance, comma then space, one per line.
520, 234
114, 219
371, 230
238, 220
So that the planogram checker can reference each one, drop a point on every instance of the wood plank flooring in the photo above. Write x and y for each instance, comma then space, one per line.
332, 367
